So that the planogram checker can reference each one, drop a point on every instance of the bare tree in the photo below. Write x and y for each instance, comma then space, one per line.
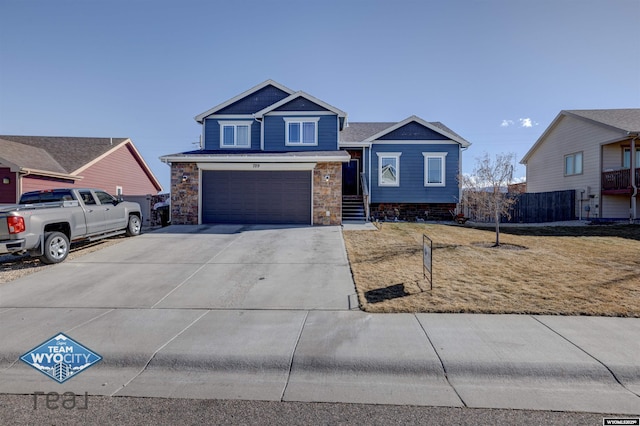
485, 191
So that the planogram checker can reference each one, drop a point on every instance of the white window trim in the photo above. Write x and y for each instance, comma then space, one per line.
443, 176
235, 125
395, 155
300, 120
573, 155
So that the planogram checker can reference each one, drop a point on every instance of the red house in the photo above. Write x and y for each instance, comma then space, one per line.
30, 163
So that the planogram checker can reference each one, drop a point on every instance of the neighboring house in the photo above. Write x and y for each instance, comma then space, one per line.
30, 163
274, 155
594, 152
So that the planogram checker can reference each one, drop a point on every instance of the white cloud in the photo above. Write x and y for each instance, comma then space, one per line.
527, 122
506, 123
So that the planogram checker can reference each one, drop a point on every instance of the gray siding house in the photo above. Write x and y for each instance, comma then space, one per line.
594, 152
274, 155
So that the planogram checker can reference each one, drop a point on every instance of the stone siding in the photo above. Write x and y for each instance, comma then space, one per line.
413, 211
327, 195
185, 184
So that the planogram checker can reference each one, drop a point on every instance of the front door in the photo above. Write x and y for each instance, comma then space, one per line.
350, 177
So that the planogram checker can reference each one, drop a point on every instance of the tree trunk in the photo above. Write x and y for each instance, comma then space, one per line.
497, 244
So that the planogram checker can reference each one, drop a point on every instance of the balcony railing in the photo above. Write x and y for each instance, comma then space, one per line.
619, 180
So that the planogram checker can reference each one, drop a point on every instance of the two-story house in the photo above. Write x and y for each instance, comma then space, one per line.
274, 155
597, 154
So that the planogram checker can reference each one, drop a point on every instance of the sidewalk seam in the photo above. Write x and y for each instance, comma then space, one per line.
293, 354
587, 353
156, 352
444, 369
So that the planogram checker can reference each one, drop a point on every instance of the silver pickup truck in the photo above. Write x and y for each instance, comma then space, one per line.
45, 222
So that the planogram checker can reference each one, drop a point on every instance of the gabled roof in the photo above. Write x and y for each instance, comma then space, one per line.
242, 95
21, 156
297, 95
625, 121
70, 153
369, 132
67, 156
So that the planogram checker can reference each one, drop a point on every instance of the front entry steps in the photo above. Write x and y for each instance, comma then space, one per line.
353, 208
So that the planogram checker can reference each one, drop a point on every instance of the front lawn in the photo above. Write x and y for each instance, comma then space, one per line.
592, 270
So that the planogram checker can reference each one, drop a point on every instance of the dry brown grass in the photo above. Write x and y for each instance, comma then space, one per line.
564, 275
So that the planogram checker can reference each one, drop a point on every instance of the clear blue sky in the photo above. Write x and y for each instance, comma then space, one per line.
495, 71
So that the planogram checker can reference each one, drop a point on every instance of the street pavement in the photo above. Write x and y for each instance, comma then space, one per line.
268, 313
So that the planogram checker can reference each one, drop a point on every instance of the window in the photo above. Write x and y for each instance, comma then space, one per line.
301, 131
87, 198
105, 198
389, 168
626, 158
573, 164
434, 168
235, 134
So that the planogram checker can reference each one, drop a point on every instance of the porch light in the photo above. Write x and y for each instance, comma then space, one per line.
6, 180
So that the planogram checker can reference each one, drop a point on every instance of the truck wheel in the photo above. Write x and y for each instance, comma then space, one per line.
134, 226
56, 248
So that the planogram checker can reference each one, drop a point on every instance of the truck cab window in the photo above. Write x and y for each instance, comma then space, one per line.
87, 198
104, 197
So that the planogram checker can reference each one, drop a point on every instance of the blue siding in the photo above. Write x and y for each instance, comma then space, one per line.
412, 189
212, 135
256, 101
301, 104
274, 134
413, 131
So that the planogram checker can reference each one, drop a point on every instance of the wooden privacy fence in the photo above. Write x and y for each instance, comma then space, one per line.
543, 207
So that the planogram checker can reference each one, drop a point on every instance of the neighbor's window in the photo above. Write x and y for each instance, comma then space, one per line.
235, 134
389, 168
573, 164
301, 131
626, 158
434, 168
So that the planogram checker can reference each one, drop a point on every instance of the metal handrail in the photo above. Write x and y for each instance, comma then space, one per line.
365, 194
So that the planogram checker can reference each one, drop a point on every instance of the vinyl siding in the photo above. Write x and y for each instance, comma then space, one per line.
274, 134
255, 102
545, 168
8, 191
412, 189
301, 104
413, 131
616, 206
120, 168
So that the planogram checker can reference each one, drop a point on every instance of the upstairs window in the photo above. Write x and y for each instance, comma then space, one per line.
626, 158
389, 168
235, 134
573, 164
301, 131
434, 168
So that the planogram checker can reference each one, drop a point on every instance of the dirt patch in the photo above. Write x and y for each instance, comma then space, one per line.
578, 271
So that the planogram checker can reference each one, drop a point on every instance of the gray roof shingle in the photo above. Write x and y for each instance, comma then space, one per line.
359, 131
55, 153
627, 119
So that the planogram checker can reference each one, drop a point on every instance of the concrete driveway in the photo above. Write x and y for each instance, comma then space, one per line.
208, 266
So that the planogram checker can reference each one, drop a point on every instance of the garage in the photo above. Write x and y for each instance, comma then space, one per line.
270, 197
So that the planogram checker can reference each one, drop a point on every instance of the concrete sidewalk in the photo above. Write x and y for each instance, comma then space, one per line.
251, 313
490, 361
